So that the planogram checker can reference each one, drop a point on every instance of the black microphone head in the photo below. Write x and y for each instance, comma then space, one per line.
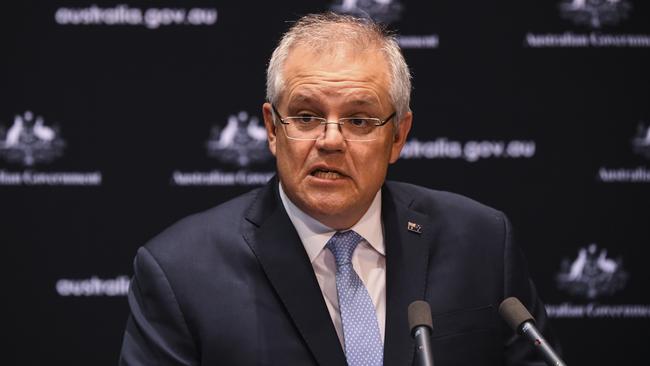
419, 314
514, 313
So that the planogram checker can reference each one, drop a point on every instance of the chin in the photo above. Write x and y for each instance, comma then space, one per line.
325, 206
326, 203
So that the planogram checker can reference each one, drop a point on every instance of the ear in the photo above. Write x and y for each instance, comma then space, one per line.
399, 139
267, 112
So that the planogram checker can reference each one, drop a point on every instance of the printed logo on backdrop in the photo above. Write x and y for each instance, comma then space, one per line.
596, 16
30, 141
240, 144
124, 15
640, 146
93, 286
595, 13
641, 142
470, 151
590, 277
592, 274
385, 11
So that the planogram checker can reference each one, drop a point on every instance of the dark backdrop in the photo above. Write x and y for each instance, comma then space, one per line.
116, 119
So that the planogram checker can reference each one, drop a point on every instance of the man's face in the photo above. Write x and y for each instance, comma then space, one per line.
331, 179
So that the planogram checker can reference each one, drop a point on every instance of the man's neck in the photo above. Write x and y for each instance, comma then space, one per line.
332, 222
314, 234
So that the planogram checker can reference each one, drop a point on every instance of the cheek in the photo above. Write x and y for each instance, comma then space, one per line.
371, 161
290, 158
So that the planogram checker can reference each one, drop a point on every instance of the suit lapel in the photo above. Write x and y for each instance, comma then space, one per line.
407, 255
282, 256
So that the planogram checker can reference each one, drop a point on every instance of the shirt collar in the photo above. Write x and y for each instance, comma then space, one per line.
314, 234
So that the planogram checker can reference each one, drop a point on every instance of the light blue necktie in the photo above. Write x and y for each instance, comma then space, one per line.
363, 345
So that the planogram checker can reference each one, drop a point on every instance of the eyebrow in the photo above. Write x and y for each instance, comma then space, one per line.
366, 100
363, 100
301, 98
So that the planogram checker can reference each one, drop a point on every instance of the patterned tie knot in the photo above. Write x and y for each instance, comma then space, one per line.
342, 245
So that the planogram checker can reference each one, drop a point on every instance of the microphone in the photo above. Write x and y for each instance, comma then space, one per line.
421, 328
520, 320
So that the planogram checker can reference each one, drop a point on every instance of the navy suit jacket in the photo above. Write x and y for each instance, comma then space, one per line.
234, 286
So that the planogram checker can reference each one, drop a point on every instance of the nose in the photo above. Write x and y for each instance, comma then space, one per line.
332, 137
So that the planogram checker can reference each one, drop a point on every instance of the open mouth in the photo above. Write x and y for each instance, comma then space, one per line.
326, 174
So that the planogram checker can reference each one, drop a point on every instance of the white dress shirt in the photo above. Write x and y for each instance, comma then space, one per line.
368, 260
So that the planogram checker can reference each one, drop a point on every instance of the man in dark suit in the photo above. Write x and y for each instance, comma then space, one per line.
319, 266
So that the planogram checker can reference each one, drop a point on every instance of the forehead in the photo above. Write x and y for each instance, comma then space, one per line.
339, 72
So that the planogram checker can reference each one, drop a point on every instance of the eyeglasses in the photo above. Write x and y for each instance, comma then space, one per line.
308, 127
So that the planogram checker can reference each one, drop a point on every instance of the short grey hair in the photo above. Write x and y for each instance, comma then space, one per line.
323, 31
